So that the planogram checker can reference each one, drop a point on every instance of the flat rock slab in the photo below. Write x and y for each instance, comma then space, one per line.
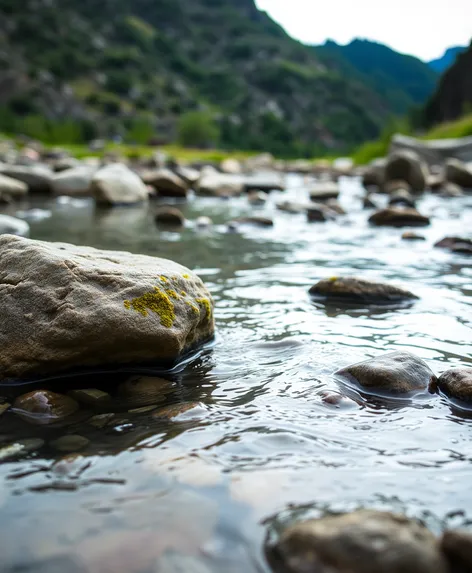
351, 289
361, 542
66, 307
394, 373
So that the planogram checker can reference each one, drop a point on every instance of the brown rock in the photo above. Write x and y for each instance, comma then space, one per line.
319, 213
256, 221
398, 217
402, 197
410, 236
459, 173
170, 216
407, 166
393, 373
166, 183
361, 542
457, 547
359, 290
44, 407
456, 244
456, 383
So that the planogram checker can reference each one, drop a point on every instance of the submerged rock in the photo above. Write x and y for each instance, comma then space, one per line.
399, 217
69, 443
456, 383
359, 290
410, 236
256, 221
145, 390
407, 166
176, 410
44, 407
360, 542
170, 216
13, 226
457, 547
65, 307
116, 184
459, 173
394, 373
89, 396
319, 213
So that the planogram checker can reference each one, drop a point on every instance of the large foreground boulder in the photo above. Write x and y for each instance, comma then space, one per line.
66, 307
361, 542
392, 373
116, 184
407, 166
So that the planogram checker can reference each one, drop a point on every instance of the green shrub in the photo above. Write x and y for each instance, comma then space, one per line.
197, 129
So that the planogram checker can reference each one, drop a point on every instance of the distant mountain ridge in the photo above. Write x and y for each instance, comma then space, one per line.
400, 80
441, 64
453, 97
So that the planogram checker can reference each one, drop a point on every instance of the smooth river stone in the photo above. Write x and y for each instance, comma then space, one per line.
360, 542
65, 307
352, 289
399, 217
44, 407
393, 373
457, 383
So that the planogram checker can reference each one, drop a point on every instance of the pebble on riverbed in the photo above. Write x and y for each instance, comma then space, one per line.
176, 410
44, 407
352, 289
145, 391
395, 373
69, 443
360, 542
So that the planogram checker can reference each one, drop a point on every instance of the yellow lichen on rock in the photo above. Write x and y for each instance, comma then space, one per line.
155, 301
164, 279
173, 294
194, 307
186, 276
206, 305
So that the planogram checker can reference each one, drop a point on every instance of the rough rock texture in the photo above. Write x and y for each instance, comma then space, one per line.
323, 191
166, 183
12, 187
457, 547
361, 542
394, 372
456, 383
459, 173
115, 184
399, 217
74, 182
13, 226
65, 307
407, 166
359, 290
37, 177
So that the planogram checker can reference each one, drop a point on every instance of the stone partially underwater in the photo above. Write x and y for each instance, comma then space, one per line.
66, 307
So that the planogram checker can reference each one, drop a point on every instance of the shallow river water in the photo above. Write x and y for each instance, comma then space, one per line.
198, 493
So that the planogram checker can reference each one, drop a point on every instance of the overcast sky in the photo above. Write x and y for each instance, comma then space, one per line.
423, 28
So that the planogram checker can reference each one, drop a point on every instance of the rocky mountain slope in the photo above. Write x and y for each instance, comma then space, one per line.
453, 97
135, 66
400, 81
